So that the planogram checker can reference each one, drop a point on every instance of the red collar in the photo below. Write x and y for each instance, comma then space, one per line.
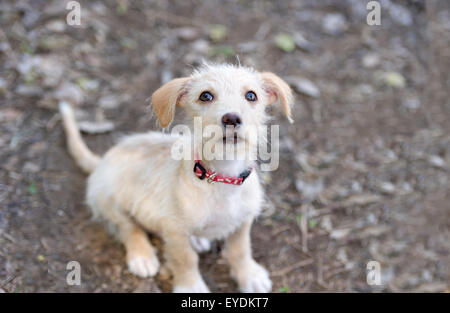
212, 177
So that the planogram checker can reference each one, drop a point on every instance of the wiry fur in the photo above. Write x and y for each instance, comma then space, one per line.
137, 187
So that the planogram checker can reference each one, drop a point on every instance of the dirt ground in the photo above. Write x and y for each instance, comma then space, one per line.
364, 171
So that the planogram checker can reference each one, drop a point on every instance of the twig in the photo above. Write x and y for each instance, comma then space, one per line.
280, 230
304, 227
336, 272
9, 237
292, 267
320, 281
173, 18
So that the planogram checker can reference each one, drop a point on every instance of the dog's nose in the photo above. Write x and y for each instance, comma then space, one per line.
232, 119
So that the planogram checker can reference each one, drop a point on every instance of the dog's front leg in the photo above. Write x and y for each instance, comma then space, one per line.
250, 276
182, 260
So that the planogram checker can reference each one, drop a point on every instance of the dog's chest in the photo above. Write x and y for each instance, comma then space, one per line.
220, 212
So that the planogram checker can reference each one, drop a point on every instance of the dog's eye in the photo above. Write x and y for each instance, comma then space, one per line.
206, 96
250, 96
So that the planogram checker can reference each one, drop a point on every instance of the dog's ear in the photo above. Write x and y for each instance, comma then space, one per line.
278, 91
166, 98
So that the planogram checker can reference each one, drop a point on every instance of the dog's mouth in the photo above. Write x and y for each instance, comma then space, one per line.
232, 138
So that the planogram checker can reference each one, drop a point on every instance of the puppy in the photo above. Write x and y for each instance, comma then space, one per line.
138, 187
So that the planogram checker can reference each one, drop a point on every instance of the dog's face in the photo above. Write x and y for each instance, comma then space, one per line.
227, 98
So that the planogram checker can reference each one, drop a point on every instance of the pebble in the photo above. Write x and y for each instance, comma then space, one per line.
109, 102
309, 189
387, 187
400, 15
371, 60
334, 24
31, 167
436, 161
57, 26
71, 93
200, 46
303, 43
340, 233
412, 103
29, 90
304, 86
187, 33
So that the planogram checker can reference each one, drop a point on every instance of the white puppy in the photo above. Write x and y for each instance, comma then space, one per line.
138, 187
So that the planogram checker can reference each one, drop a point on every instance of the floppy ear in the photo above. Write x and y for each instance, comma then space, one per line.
166, 98
278, 90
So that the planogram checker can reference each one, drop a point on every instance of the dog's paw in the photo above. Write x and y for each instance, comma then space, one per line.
144, 266
198, 287
200, 244
253, 278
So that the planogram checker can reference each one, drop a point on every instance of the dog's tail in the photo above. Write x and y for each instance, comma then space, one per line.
84, 157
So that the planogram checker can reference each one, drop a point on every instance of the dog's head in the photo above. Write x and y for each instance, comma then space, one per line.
233, 98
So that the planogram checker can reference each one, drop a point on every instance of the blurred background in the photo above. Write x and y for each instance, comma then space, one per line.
364, 171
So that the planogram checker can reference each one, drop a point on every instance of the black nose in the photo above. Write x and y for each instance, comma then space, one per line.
232, 119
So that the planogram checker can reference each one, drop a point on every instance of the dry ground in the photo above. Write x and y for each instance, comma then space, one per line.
364, 171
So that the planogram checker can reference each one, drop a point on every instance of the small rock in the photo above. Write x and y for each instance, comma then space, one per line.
49, 68
57, 26
88, 84
304, 86
200, 46
400, 15
370, 60
334, 24
406, 188
372, 219
340, 233
29, 90
326, 223
71, 93
187, 33
109, 102
31, 167
412, 103
309, 189
393, 79
166, 76
3, 85
437, 161
427, 275
387, 187
303, 43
